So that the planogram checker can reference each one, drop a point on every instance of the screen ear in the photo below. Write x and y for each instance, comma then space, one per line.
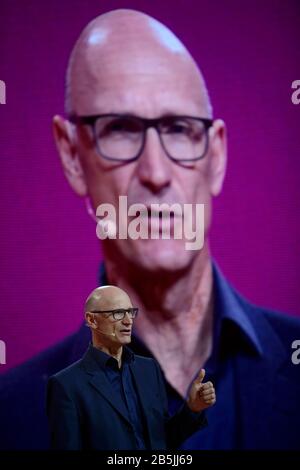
218, 156
65, 143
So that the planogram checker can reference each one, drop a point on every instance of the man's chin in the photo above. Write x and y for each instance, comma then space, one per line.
161, 255
124, 338
127, 340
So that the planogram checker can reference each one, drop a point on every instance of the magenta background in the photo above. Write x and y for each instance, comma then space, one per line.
249, 52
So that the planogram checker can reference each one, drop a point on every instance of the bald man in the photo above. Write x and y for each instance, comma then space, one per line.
112, 399
139, 124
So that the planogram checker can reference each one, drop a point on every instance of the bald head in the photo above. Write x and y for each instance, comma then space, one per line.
107, 298
123, 43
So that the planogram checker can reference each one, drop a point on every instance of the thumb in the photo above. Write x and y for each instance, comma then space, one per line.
201, 376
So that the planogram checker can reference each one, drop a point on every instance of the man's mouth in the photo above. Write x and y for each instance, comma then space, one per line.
153, 213
159, 222
126, 332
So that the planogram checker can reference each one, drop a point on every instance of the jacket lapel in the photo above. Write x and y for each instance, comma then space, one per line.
101, 383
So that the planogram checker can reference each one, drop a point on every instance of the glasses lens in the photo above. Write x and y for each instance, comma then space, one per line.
133, 312
119, 137
184, 138
120, 314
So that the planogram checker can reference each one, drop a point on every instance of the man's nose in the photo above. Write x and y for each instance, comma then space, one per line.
127, 320
154, 167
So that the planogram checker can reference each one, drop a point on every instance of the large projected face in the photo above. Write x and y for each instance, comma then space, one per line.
126, 63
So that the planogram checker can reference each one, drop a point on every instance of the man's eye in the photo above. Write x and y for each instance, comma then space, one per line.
176, 128
122, 125
117, 126
119, 313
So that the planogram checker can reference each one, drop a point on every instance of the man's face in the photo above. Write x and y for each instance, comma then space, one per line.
116, 331
149, 86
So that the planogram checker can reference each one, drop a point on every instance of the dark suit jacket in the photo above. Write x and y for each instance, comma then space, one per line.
84, 412
269, 409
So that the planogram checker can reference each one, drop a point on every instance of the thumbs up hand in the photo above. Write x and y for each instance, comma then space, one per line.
202, 395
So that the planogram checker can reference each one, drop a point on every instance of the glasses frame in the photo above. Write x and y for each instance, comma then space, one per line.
147, 123
124, 310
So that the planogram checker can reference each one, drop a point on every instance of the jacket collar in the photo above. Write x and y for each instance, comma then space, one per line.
103, 360
258, 367
228, 307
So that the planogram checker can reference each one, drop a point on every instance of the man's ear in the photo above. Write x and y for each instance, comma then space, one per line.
67, 149
90, 320
218, 156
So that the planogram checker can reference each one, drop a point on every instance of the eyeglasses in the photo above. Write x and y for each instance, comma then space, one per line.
122, 137
119, 313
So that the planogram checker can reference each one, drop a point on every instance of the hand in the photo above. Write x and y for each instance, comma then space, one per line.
202, 395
